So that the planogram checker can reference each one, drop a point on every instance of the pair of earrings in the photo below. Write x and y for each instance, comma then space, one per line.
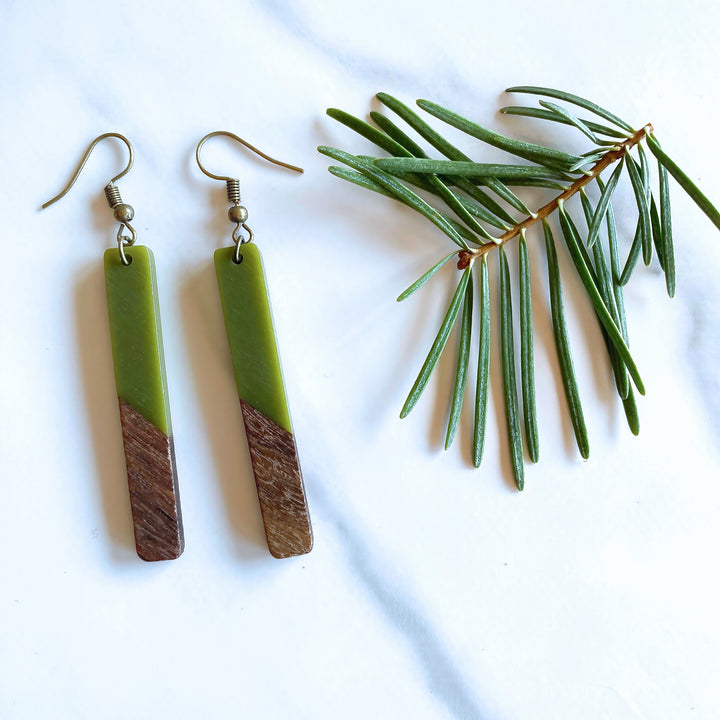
139, 364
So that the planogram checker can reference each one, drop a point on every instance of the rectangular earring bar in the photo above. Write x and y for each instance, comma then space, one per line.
258, 376
139, 361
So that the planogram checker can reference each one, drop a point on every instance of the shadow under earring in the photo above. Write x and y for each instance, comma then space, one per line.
258, 376
139, 364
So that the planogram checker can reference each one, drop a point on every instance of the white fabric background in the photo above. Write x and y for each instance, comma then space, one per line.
434, 590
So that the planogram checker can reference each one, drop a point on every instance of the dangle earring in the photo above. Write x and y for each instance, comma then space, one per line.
139, 362
253, 347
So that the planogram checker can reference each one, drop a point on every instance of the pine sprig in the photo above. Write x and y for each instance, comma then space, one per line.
480, 216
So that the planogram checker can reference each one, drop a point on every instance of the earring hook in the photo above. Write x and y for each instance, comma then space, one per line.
225, 178
122, 212
85, 157
237, 213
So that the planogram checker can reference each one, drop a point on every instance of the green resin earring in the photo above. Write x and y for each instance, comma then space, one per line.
256, 364
139, 362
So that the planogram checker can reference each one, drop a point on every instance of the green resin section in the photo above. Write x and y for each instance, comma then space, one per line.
250, 332
136, 335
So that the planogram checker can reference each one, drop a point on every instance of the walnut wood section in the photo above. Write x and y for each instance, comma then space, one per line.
152, 479
279, 485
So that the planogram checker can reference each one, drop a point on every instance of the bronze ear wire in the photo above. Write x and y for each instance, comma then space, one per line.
122, 212
237, 213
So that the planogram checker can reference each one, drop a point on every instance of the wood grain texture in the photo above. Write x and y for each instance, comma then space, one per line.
279, 485
152, 480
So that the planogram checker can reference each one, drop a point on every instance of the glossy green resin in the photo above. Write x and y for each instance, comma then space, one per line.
250, 331
136, 335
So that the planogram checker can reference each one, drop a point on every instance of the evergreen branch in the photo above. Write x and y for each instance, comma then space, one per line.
457, 182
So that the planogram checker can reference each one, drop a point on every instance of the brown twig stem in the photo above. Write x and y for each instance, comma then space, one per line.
465, 257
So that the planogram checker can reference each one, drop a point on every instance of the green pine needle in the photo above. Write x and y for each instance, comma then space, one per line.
462, 366
615, 267
465, 169
368, 132
631, 413
527, 359
643, 208
562, 345
603, 204
666, 224
425, 277
483, 370
684, 181
633, 255
658, 242
437, 347
512, 413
